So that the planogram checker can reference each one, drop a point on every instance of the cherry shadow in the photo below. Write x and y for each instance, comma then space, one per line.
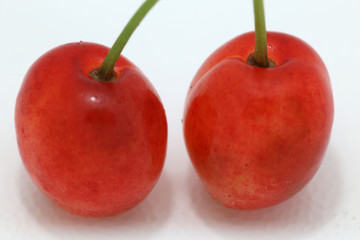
143, 220
305, 213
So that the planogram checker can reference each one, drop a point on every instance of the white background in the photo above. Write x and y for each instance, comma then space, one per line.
169, 46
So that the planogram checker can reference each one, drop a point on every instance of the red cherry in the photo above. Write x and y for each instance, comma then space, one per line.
95, 145
256, 136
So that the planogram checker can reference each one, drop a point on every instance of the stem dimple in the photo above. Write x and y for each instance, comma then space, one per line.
260, 54
106, 71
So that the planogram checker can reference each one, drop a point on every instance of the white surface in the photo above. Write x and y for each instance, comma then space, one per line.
169, 46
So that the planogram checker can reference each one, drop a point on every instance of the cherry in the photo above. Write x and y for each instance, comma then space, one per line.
258, 117
90, 127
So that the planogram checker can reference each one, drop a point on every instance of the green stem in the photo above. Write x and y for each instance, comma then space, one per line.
106, 71
260, 55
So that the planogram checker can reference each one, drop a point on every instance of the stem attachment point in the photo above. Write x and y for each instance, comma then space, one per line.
96, 75
251, 60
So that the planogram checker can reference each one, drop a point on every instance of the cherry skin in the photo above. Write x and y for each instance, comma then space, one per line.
94, 148
256, 136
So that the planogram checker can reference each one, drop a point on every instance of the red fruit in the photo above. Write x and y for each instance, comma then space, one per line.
256, 136
94, 148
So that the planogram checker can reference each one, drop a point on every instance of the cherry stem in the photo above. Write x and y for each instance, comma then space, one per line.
260, 55
106, 71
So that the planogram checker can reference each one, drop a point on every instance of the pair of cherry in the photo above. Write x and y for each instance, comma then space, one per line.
92, 131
